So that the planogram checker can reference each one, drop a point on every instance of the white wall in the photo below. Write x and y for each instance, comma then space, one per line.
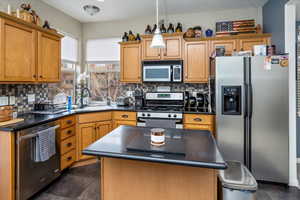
204, 19
55, 17
290, 41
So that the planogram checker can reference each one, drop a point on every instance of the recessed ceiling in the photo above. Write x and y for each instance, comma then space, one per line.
124, 9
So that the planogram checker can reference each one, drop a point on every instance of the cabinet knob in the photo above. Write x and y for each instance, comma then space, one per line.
69, 122
69, 132
124, 116
41, 76
69, 144
69, 158
34, 76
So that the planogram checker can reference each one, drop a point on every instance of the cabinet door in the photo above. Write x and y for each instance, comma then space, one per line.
173, 48
229, 45
118, 123
131, 63
196, 62
148, 52
49, 58
86, 135
18, 52
103, 128
247, 44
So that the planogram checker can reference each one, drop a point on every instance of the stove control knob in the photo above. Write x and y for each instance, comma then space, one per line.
169, 115
175, 116
148, 115
143, 115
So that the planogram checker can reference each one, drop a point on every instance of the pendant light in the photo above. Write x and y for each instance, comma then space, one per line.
158, 40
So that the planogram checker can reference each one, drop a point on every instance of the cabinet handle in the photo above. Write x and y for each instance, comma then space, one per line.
69, 158
41, 76
69, 132
198, 119
34, 76
124, 116
69, 122
69, 144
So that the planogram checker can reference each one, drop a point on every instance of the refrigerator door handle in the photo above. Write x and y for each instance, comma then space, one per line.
245, 100
250, 110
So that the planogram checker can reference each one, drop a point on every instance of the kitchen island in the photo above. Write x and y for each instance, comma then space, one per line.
189, 171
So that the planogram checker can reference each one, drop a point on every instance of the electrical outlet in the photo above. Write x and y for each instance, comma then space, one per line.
4, 101
31, 98
12, 100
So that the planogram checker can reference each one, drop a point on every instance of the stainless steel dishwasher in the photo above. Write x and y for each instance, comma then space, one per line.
33, 176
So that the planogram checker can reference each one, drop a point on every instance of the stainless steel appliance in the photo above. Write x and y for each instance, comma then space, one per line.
166, 107
162, 71
32, 176
252, 115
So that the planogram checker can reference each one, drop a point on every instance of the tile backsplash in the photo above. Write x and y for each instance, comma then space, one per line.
21, 93
44, 92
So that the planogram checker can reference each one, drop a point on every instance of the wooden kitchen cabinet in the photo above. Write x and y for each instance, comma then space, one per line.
230, 46
196, 62
148, 52
28, 53
199, 122
18, 52
87, 135
49, 58
173, 50
103, 128
247, 44
131, 63
124, 118
118, 123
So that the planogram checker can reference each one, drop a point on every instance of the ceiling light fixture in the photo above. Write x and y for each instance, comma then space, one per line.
91, 9
158, 40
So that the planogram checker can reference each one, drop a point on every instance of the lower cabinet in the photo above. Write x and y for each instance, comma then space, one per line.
67, 141
118, 123
199, 122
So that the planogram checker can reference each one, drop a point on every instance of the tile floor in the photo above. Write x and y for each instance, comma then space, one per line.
82, 183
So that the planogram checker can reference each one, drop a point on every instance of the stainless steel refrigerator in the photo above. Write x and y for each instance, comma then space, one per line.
252, 115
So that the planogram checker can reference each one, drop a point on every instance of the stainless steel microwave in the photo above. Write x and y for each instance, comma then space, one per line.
162, 71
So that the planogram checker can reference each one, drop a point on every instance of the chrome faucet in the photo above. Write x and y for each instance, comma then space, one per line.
81, 96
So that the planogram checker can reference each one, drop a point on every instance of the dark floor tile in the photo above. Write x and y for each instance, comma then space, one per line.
91, 171
69, 186
92, 192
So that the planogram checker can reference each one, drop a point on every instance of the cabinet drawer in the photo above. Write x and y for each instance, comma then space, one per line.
128, 116
67, 159
197, 127
67, 122
198, 119
67, 145
68, 132
94, 117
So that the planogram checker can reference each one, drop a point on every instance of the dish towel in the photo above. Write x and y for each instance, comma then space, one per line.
45, 145
160, 123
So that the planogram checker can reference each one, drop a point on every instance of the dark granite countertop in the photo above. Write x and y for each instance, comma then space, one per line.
200, 148
31, 120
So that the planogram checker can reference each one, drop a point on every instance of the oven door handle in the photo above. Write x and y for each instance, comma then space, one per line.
35, 134
144, 120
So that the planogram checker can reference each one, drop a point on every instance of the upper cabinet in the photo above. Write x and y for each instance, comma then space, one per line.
229, 45
247, 44
49, 58
131, 63
173, 50
18, 52
28, 53
196, 62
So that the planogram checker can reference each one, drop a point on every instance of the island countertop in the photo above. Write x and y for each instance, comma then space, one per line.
200, 148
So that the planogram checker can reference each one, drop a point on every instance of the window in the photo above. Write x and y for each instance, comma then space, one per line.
103, 67
69, 70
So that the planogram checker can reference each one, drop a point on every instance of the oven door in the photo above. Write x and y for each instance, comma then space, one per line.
157, 73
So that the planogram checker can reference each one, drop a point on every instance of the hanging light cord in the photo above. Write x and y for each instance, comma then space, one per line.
157, 13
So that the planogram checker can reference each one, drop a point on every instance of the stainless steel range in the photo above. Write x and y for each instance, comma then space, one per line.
162, 109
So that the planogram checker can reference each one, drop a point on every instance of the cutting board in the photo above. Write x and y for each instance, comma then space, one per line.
13, 121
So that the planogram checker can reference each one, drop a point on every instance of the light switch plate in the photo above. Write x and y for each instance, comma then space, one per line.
12, 100
31, 98
3, 100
